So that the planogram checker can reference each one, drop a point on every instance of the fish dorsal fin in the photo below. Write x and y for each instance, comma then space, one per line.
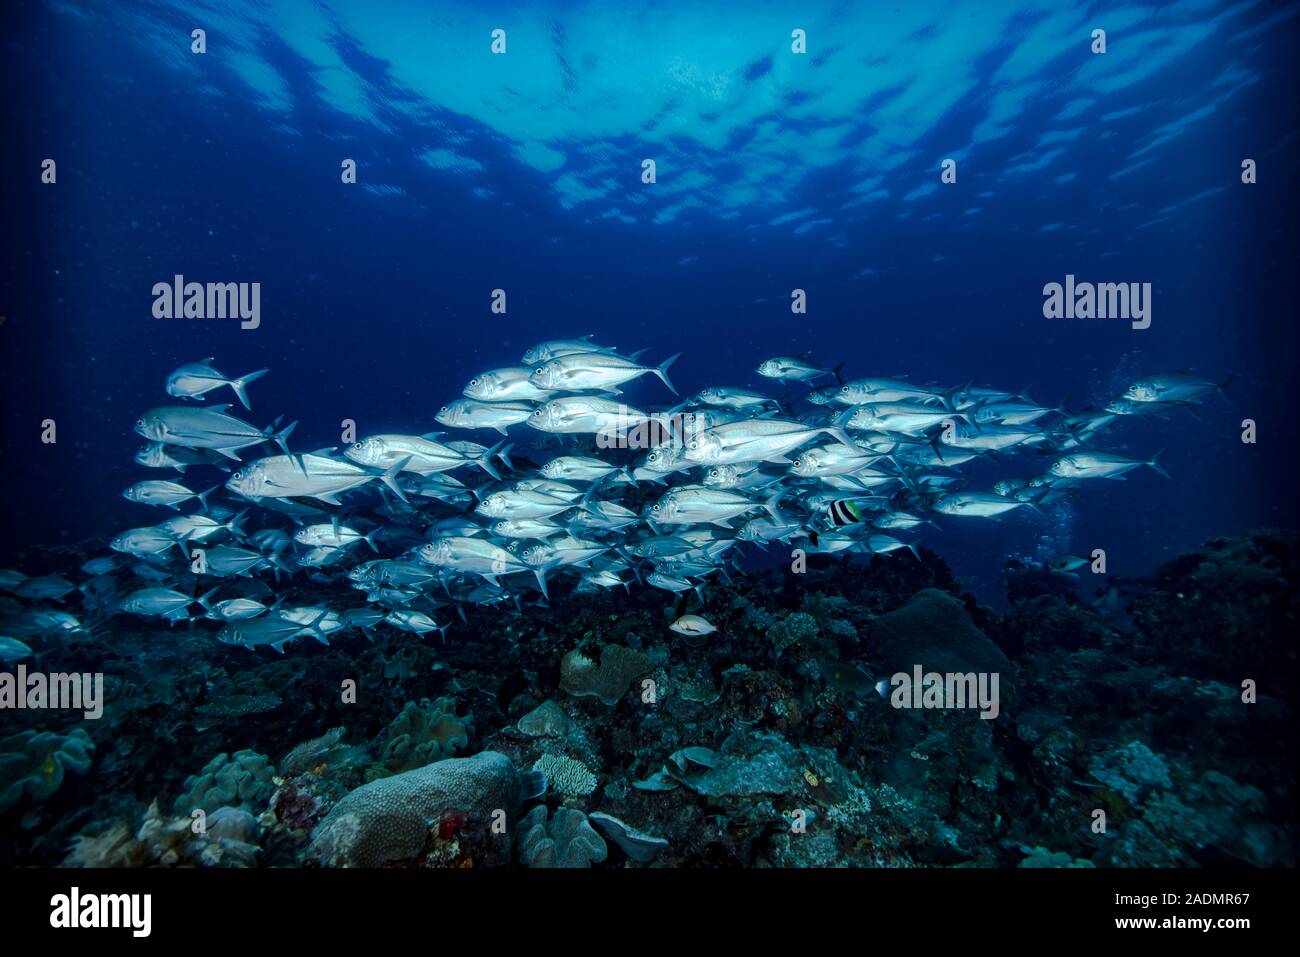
432, 436
218, 408
326, 451
209, 360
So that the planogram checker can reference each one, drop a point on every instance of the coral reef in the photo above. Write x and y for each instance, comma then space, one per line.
421, 734
565, 839
389, 819
1167, 705
607, 681
33, 763
566, 776
243, 779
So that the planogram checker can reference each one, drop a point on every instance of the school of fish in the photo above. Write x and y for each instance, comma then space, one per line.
425, 526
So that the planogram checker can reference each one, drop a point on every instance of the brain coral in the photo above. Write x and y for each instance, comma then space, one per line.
389, 819
608, 681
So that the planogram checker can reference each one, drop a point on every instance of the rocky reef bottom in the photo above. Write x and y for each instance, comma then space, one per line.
1150, 727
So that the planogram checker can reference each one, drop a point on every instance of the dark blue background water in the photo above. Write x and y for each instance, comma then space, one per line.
376, 306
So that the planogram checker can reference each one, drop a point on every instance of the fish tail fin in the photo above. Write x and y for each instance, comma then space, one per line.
370, 540
389, 478
316, 631
541, 581
281, 438
532, 785
1154, 462
503, 453
839, 379
662, 372
937, 446
1222, 387
236, 525
203, 496
202, 601
838, 433
238, 385
772, 505
484, 461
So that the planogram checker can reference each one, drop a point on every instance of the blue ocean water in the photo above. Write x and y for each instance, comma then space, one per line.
775, 171
886, 190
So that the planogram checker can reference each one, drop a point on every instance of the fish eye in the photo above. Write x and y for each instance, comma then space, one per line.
473, 381
655, 508
539, 370
694, 444
443, 409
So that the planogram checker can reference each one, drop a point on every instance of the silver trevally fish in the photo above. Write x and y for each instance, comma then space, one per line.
521, 505
907, 418
862, 391
476, 556
169, 494
691, 504
1085, 465
195, 379
53, 587
976, 504
728, 398
1173, 387
511, 384
473, 414
416, 622
578, 468
553, 349
423, 454
165, 603
237, 609
797, 368
756, 440
596, 371
586, 414
159, 455
315, 475
273, 631
147, 543
207, 429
